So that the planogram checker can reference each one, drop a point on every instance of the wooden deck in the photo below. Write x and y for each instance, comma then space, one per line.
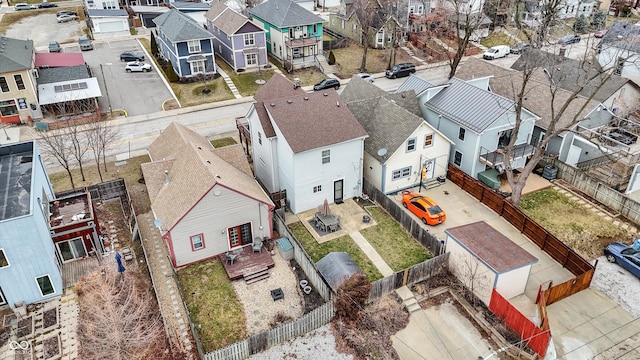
247, 263
75, 270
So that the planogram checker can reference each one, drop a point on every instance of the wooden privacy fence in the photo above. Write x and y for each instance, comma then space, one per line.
412, 275
572, 286
268, 338
599, 191
413, 227
535, 337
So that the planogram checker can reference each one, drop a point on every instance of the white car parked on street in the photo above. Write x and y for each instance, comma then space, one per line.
137, 66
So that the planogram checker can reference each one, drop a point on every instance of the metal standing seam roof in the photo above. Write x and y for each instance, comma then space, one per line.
16, 170
106, 12
58, 59
285, 13
15, 54
414, 83
180, 27
469, 106
491, 247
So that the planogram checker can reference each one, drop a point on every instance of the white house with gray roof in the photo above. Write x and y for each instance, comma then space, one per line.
620, 50
294, 34
480, 124
401, 143
185, 43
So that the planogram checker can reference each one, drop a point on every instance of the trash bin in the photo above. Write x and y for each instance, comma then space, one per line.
285, 248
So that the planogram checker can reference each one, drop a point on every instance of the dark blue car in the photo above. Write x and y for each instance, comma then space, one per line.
625, 256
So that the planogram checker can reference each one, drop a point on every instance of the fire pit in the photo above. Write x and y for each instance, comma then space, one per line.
277, 294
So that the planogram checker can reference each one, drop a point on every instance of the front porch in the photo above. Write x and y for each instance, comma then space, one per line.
496, 158
247, 263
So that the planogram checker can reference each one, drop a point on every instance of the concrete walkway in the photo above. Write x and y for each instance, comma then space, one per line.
413, 56
371, 253
230, 83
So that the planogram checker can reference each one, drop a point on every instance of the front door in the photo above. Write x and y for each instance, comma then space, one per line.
239, 235
338, 193
72, 249
429, 169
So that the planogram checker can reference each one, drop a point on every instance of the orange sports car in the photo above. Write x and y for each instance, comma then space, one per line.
423, 207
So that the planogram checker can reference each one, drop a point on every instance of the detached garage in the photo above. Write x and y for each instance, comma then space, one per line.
483, 259
109, 22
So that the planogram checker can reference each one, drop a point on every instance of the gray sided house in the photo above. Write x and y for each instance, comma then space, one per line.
480, 123
29, 270
185, 43
385, 26
400, 143
294, 34
238, 41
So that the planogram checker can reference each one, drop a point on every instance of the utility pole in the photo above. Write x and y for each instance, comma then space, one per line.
106, 90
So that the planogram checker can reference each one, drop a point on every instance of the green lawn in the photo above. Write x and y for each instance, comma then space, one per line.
497, 38
345, 243
578, 227
245, 82
218, 143
214, 307
398, 249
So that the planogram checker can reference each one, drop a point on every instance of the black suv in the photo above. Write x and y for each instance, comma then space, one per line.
327, 84
400, 70
131, 56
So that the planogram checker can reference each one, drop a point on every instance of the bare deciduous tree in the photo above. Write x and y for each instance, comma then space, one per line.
98, 135
351, 297
365, 12
73, 135
118, 319
57, 145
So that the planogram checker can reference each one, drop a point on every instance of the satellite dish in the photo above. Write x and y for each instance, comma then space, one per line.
382, 152
157, 223
217, 192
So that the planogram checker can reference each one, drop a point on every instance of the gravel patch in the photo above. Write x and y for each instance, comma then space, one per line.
44, 28
618, 284
318, 344
259, 308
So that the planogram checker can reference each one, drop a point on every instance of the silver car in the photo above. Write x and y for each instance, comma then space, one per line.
66, 18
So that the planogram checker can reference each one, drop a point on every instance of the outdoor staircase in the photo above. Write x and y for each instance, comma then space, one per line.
431, 183
255, 274
408, 300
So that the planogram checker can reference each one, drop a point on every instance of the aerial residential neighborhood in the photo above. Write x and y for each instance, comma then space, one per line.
335, 179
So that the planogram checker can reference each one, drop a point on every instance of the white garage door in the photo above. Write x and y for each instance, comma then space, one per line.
111, 26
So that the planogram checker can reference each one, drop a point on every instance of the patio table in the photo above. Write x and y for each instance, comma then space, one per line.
326, 222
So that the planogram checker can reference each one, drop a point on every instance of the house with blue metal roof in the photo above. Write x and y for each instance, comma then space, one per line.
294, 34
187, 44
29, 271
238, 41
480, 124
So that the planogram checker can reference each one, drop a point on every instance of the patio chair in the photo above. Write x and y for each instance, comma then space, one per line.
257, 245
230, 257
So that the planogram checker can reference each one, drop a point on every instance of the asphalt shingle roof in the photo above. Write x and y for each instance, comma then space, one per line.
314, 120
277, 87
624, 36
180, 27
195, 170
285, 13
227, 20
65, 73
468, 105
15, 54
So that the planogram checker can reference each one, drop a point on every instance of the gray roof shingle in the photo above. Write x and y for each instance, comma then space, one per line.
285, 13
416, 84
624, 36
65, 73
468, 105
228, 20
180, 27
106, 12
15, 54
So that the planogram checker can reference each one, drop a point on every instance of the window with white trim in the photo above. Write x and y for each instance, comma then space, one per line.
19, 81
317, 189
45, 285
411, 144
197, 67
4, 85
4, 262
428, 140
457, 158
197, 242
326, 156
249, 40
401, 173
251, 59
194, 46
110, 5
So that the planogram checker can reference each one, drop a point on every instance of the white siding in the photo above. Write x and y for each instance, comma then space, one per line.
400, 158
470, 271
114, 24
263, 161
513, 283
372, 171
212, 216
608, 59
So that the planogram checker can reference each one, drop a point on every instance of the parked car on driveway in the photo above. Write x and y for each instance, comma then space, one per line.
23, 6
54, 46
520, 48
365, 76
85, 43
327, 84
569, 39
66, 18
131, 56
46, 5
137, 66
625, 256
66, 12
423, 207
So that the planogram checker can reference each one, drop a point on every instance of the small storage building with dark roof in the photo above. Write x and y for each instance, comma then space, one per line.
484, 259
